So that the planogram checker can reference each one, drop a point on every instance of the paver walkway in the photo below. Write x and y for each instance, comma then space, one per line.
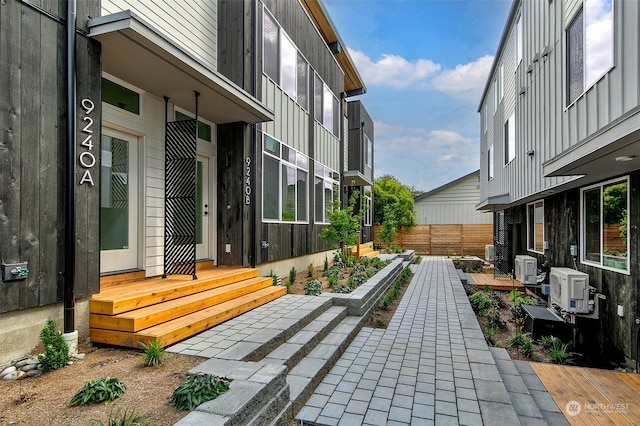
431, 365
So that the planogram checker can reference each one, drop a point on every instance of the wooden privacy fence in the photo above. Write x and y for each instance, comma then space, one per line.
468, 240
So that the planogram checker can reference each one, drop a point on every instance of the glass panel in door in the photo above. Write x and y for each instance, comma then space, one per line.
202, 208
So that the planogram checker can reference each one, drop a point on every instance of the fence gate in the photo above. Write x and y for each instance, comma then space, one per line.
502, 233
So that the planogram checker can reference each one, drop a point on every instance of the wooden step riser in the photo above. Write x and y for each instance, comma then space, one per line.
150, 316
112, 305
186, 327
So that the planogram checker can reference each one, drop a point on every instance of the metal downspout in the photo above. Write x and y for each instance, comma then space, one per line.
70, 216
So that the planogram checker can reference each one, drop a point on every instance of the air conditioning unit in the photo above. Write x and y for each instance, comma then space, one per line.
526, 269
489, 253
569, 290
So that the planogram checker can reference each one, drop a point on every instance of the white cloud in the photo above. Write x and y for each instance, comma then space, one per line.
466, 81
394, 71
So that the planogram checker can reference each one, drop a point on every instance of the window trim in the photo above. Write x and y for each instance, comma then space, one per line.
531, 245
335, 117
601, 186
490, 162
126, 85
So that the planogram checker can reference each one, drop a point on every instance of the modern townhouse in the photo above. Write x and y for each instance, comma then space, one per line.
560, 146
206, 132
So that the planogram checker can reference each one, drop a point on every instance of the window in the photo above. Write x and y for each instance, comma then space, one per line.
605, 215
204, 129
121, 97
495, 95
368, 151
326, 106
589, 40
519, 41
284, 183
283, 63
326, 190
535, 226
490, 162
501, 82
510, 139
367, 206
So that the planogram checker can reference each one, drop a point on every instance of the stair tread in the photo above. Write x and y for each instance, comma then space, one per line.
148, 316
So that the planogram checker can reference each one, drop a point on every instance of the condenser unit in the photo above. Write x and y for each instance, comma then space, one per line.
489, 253
526, 269
569, 290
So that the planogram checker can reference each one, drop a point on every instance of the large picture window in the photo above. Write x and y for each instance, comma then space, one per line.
535, 226
326, 106
283, 63
326, 190
605, 215
589, 40
284, 183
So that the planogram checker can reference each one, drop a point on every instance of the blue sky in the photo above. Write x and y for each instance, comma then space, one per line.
425, 64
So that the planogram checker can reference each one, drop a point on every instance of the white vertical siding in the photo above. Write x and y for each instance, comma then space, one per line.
291, 123
191, 24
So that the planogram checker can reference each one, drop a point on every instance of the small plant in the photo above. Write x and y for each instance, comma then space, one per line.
489, 335
559, 354
495, 320
313, 288
332, 280
527, 347
154, 352
274, 278
124, 418
326, 262
100, 390
487, 288
310, 270
417, 259
341, 289
198, 389
516, 339
480, 302
380, 321
549, 342
56, 350
292, 275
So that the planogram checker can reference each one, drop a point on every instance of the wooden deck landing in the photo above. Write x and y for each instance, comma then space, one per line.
603, 397
128, 311
503, 284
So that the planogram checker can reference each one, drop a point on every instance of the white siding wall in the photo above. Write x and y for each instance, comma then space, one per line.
191, 24
149, 129
291, 124
453, 205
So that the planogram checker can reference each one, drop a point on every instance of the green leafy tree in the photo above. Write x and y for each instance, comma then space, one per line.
389, 228
344, 224
388, 191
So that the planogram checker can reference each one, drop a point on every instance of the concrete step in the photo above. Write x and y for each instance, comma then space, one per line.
529, 397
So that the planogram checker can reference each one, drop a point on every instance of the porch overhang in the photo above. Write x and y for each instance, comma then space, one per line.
612, 151
355, 178
138, 53
495, 203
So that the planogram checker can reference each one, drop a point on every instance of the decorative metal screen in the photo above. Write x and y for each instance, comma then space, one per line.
502, 229
180, 198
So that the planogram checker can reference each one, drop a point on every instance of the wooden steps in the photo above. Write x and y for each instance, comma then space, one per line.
177, 307
365, 251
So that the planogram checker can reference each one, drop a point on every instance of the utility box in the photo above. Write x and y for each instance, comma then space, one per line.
540, 321
14, 271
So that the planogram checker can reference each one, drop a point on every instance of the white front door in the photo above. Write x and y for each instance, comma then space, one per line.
204, 210
118, 202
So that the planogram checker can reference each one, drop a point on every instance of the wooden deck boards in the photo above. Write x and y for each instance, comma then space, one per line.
602, 396
482, 280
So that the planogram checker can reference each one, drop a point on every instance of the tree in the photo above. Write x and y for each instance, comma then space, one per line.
389, 228
344, 224
388, 191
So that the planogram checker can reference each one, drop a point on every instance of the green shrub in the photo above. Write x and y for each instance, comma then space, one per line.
124, 418
313, 288
549, 342
310, 270
154, 352
380, 321
516, 339
559, 354
493, 317
326, 262
292, 275
489, 335
332, 280
198, 389
480, 302
341, 289
56, 350
527, 347
100, 390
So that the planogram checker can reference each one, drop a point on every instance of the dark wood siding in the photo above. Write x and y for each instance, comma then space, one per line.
32, 152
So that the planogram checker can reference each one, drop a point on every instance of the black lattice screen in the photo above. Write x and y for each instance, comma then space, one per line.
502, 229
180, 198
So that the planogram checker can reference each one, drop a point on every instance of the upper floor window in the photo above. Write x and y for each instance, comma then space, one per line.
519, 41
326, 106
535, 226
120, 96
589, 40
283, 63
284, 182
490, 162
368, 151
604, 210
510, 139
